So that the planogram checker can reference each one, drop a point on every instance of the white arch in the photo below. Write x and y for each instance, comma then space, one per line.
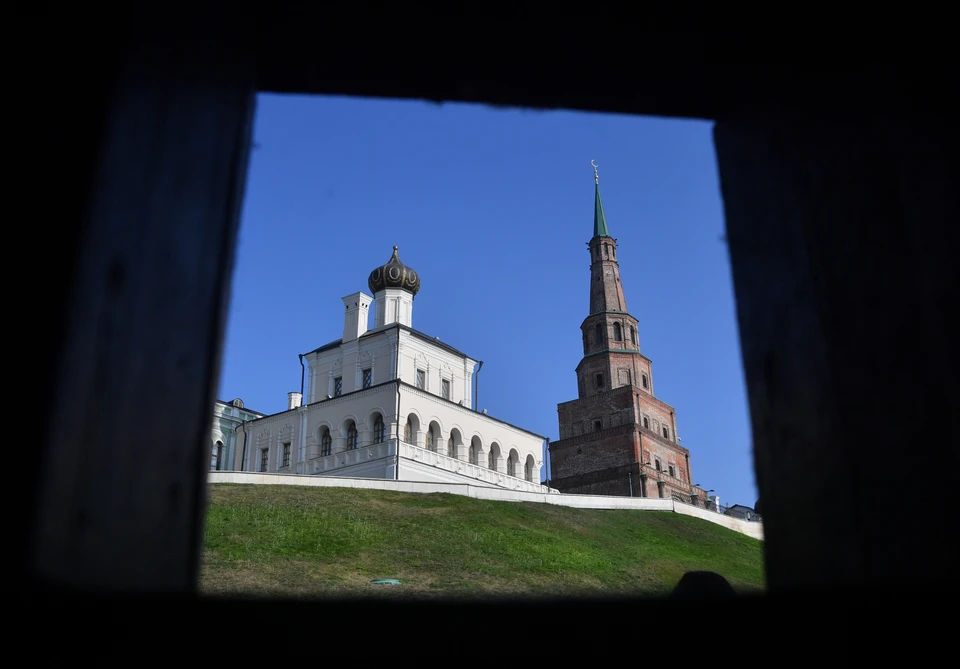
528, 468
372, 413
345, 424
513, 462
475, 453
318, 431
495, 457
436, 436
416, 427
455, 443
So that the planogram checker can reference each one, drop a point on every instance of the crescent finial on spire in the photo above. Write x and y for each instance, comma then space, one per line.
596, 176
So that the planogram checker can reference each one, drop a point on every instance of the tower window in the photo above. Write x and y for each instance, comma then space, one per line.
672, 473
599, 378
597, 426
666, 432
421, 379
659, 466
633, 334
367, 378
646, 384
646, 422
599, 333
338, 386
617, 332
445, 389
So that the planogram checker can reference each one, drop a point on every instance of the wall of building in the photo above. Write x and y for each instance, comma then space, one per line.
751, 529
593, 451
375, 351
226, 418
468, 427
439, 364
304, 428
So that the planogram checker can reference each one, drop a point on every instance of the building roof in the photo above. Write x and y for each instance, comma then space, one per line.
599, 220
243, 408
416, 333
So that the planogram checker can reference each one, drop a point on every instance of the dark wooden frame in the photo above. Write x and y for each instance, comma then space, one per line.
840, 216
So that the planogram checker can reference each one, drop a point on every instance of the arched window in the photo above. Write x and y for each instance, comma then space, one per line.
408, 432
617, 332
528, 469
633, 334
431, 445
473, 454
512, 461
326, 443
451, 449
492, 459
379, 430
352, 437
220, 462
599, 333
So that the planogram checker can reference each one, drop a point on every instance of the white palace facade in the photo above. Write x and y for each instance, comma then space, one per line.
390, 403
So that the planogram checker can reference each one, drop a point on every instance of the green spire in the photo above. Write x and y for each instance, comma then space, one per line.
599, 220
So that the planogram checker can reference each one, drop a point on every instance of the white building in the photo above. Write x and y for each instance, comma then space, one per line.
227, 417
390, 402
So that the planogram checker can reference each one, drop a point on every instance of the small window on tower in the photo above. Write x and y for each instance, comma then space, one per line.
599, 329
672, 471
633, 334
658, 465
646, 384
445, 389
599, 378
666, 432
597, 426
617, 332
646, 422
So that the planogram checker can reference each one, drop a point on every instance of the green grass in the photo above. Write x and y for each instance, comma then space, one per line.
331, 542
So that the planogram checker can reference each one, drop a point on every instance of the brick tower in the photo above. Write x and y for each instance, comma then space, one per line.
616, 438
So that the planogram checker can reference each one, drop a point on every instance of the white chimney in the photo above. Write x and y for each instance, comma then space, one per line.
355, 321
293, 400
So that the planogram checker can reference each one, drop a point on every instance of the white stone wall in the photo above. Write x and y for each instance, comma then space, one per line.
304, 429
751, 529
469, 427
375, 352
438, 364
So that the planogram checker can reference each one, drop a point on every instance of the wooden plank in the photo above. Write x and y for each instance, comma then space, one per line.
121, 502
841, 240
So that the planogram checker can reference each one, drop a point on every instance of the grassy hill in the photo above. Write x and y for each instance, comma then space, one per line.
331, 542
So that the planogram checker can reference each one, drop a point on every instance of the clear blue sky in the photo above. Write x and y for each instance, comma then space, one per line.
493, 207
